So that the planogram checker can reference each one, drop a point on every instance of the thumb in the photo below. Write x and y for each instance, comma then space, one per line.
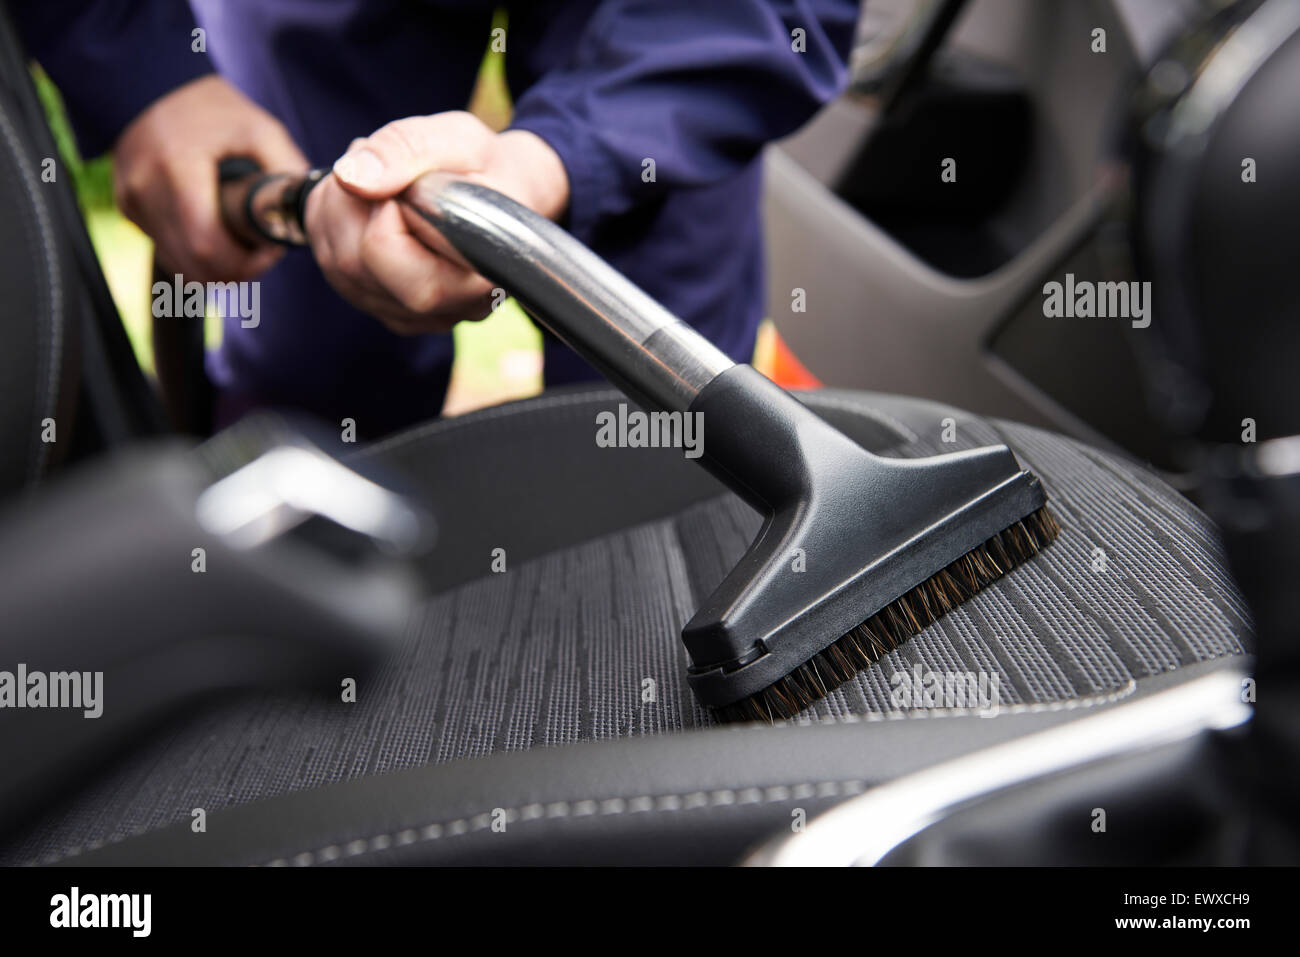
389, 160
372, 169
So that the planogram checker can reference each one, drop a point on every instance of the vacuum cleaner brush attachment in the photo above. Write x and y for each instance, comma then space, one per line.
857, 552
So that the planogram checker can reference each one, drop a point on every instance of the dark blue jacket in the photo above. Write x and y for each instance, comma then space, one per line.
696, 85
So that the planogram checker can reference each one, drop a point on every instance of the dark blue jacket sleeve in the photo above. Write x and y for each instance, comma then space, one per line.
696, 85
110, 58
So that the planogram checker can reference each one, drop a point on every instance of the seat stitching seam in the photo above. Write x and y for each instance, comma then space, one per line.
525, 407
586, 807
668, 803
540, 403
1033, 707
1066, 704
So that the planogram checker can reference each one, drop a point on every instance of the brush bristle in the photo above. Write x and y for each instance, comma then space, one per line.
898, 621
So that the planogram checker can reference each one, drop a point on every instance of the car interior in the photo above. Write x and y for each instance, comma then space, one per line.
501, 601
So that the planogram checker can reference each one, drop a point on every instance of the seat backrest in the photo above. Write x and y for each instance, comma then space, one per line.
1217, 197
69, 382
37, 347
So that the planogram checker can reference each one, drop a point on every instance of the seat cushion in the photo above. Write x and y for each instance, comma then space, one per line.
608, 552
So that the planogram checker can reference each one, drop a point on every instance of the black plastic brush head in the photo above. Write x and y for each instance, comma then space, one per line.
857, 554
902, 618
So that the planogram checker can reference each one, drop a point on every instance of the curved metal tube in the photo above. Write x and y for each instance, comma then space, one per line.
637, 343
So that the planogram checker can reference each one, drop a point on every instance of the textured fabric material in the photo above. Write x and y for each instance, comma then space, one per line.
1057, 628
559, 649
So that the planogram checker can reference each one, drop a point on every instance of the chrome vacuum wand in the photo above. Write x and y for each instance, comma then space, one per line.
637, 343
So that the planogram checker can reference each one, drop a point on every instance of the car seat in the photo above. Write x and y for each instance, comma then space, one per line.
524, 690
539, 714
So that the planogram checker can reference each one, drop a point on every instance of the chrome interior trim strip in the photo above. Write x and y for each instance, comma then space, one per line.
864, 830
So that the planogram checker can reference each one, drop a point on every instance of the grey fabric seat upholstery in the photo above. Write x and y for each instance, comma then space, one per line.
552, 697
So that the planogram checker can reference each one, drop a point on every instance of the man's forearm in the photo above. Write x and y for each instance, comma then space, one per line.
111, 58
670, 94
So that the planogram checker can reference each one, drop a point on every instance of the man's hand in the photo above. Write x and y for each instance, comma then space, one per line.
362, 241
165, 175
